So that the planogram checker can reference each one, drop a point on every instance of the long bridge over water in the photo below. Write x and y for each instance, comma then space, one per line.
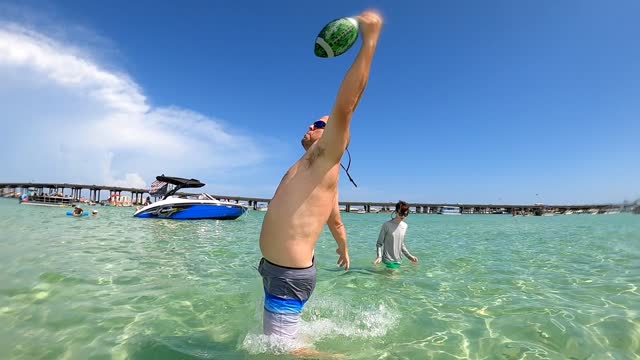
137, 198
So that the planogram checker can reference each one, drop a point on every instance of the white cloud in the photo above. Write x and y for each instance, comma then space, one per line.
67, 118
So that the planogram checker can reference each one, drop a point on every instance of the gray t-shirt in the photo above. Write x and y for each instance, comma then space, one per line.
390, 245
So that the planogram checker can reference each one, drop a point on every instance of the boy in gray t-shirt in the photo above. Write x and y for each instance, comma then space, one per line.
390, 246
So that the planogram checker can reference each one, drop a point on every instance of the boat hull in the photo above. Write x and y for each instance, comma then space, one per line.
192, 211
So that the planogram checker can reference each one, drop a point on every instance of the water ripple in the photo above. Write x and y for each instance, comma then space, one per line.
487, 287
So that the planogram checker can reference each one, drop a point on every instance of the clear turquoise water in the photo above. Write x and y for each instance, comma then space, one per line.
487, 287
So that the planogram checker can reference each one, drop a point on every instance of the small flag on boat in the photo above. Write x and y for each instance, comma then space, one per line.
158, 188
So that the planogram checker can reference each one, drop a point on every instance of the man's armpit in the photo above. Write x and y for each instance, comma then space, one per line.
313, 155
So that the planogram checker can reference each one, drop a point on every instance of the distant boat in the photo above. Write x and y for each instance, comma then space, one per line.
361, 212
46, 200
450, 210
183, 208
262, 208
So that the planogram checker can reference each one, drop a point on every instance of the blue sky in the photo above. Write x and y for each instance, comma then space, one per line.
470, 102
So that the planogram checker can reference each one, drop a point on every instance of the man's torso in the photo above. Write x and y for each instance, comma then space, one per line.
299, 210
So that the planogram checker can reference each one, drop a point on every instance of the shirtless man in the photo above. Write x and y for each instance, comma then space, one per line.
307, 199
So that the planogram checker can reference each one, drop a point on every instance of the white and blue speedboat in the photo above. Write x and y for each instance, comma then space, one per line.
180, 207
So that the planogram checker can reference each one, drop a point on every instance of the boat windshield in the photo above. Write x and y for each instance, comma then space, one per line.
208, 197
178, 183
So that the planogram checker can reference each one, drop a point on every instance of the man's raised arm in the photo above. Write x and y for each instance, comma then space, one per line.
336, 135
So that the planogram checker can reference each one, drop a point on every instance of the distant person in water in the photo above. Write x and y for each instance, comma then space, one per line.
94, 213
78, 211
390, 246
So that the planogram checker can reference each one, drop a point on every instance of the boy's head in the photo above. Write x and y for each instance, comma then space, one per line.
402, 209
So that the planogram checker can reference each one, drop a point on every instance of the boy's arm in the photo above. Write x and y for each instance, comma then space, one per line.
406, 252
380, 243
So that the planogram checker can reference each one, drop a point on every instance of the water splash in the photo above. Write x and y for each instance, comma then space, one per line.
328, 318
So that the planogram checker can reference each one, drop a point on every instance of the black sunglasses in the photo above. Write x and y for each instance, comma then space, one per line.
319, 124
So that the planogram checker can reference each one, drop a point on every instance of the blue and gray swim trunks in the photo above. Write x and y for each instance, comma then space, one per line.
286, 290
